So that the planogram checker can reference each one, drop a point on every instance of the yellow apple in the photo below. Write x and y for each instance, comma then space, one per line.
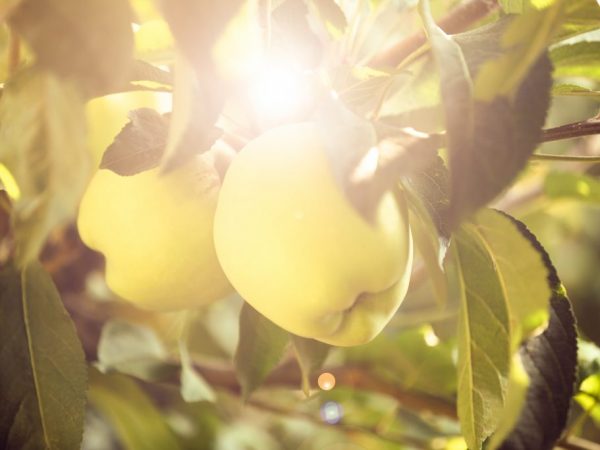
297, 251
156, 232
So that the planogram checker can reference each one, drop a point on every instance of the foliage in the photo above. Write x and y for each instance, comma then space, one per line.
450, 106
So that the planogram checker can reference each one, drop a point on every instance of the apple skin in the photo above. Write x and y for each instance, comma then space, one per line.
298, 252
155, 232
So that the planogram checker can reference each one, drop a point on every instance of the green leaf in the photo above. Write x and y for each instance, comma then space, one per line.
523, 42
198, 93
580, 16
136, 420
43, 377
550, 360
589, 397
581, 59
261, 346
504, 135
522, 270
194, 387
131, 349
484, 339
91, 40
574, 90
42, 143
516, 394
191, 129
140, 145
455, 79
311, 355
572, 185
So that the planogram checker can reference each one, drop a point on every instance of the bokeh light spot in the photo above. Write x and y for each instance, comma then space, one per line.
326, 381
331, 412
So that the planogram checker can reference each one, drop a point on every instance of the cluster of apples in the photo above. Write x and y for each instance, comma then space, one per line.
277, 229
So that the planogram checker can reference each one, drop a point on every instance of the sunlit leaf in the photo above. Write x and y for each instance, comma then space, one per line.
42, 143
589, 397
520, 262
260, 348
484, 340
516, 394
580, 16
43, 377
90, 40
581, 59
574, 90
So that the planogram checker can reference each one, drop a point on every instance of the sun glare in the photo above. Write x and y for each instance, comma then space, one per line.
278, 91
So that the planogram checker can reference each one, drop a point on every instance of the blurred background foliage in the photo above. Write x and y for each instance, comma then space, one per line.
398, 391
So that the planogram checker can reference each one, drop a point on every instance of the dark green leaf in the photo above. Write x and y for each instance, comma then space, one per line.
43, 377
504, 134
523, 41
311, 355
136, 420
42, 143
140, 144
260, 348
572, 185
90, 40
550, 360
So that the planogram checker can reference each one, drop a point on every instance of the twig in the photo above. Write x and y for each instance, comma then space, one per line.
459, 19
572, 130
356, 377
576, 443
568, 158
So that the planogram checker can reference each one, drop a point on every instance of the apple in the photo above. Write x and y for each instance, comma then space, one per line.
155, 232
298, 252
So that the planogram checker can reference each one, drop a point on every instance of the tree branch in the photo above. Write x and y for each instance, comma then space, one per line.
355, 377
572, 130
457, 20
